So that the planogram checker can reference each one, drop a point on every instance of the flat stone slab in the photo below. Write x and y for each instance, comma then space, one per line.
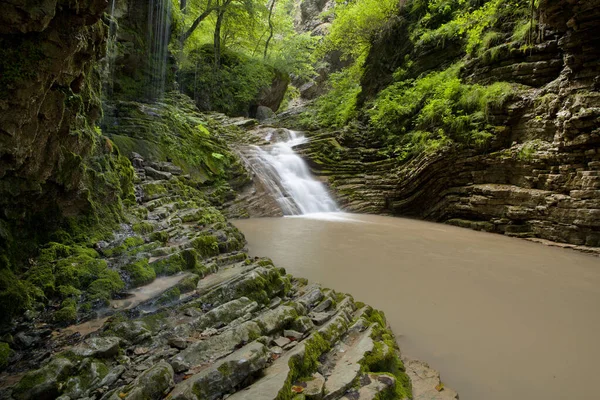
346, 366
268, 387
314, 387
214, 347
426, 382
373, 385
98, 347
220, 378
281, 341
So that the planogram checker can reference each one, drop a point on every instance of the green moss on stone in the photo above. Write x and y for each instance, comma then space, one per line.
67, 312
160, 236
170, 265
143, 228
169, 296
303, 365
206, 245
5, 353
188, 284
140, 273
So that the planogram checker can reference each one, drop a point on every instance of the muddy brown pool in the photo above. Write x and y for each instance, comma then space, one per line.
500, 318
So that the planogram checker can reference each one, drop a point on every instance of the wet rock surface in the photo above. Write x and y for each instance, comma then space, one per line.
219, 324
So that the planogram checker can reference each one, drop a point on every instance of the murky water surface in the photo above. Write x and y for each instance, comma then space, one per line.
500, 318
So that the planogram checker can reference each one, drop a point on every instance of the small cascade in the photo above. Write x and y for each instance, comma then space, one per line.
111, 50
159, 29
288, 178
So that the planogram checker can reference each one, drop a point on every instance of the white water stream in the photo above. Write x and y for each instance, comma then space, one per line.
287, 176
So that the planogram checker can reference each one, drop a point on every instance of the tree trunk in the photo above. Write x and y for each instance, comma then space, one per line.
209, 9
217, 38
221, 10
270, 29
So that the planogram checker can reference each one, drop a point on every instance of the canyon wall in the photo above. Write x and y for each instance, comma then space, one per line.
539, 176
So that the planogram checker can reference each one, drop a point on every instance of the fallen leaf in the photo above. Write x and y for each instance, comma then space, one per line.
297, 389
439, 387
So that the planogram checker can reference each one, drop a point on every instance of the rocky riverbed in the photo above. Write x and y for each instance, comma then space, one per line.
222, 324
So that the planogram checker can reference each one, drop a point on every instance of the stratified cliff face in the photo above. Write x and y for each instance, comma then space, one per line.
50, 150
541, 175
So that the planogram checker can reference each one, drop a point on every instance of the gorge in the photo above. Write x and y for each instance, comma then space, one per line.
438, 159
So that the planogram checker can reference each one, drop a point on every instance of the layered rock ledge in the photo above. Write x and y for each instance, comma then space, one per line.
223, 324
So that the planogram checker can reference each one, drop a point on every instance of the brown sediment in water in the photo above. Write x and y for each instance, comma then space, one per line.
498, 317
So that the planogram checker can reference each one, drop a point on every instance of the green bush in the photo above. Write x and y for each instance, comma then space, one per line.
438, 109
233, 87
338, 106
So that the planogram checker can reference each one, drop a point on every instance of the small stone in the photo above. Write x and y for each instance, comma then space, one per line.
292, 335
302, 324
281, 341
192, 312
138, 351
102, 347
209, 332
324, 305
23, 341
275, 302
314, 387
177, 342
153, 173
30, 315
320, 318
290, 345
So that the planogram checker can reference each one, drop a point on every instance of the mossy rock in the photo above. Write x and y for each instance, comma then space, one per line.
160, 236
140, 273
143, 228
206, 245
171, 264
44, 383
67, 312
5, 354
169, 296
188, 284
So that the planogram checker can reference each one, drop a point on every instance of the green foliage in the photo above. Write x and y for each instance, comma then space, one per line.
527, 150
229, 89
355, 25
438, 109
445, 20
338, 106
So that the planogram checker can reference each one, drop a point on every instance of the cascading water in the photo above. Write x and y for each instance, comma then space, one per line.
159, 28
288, 178
111, 51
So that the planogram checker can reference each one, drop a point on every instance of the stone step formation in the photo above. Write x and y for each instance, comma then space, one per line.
225, 325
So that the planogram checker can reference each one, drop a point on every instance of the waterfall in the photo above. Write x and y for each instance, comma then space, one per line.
159, 29
288, 178
111, 51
